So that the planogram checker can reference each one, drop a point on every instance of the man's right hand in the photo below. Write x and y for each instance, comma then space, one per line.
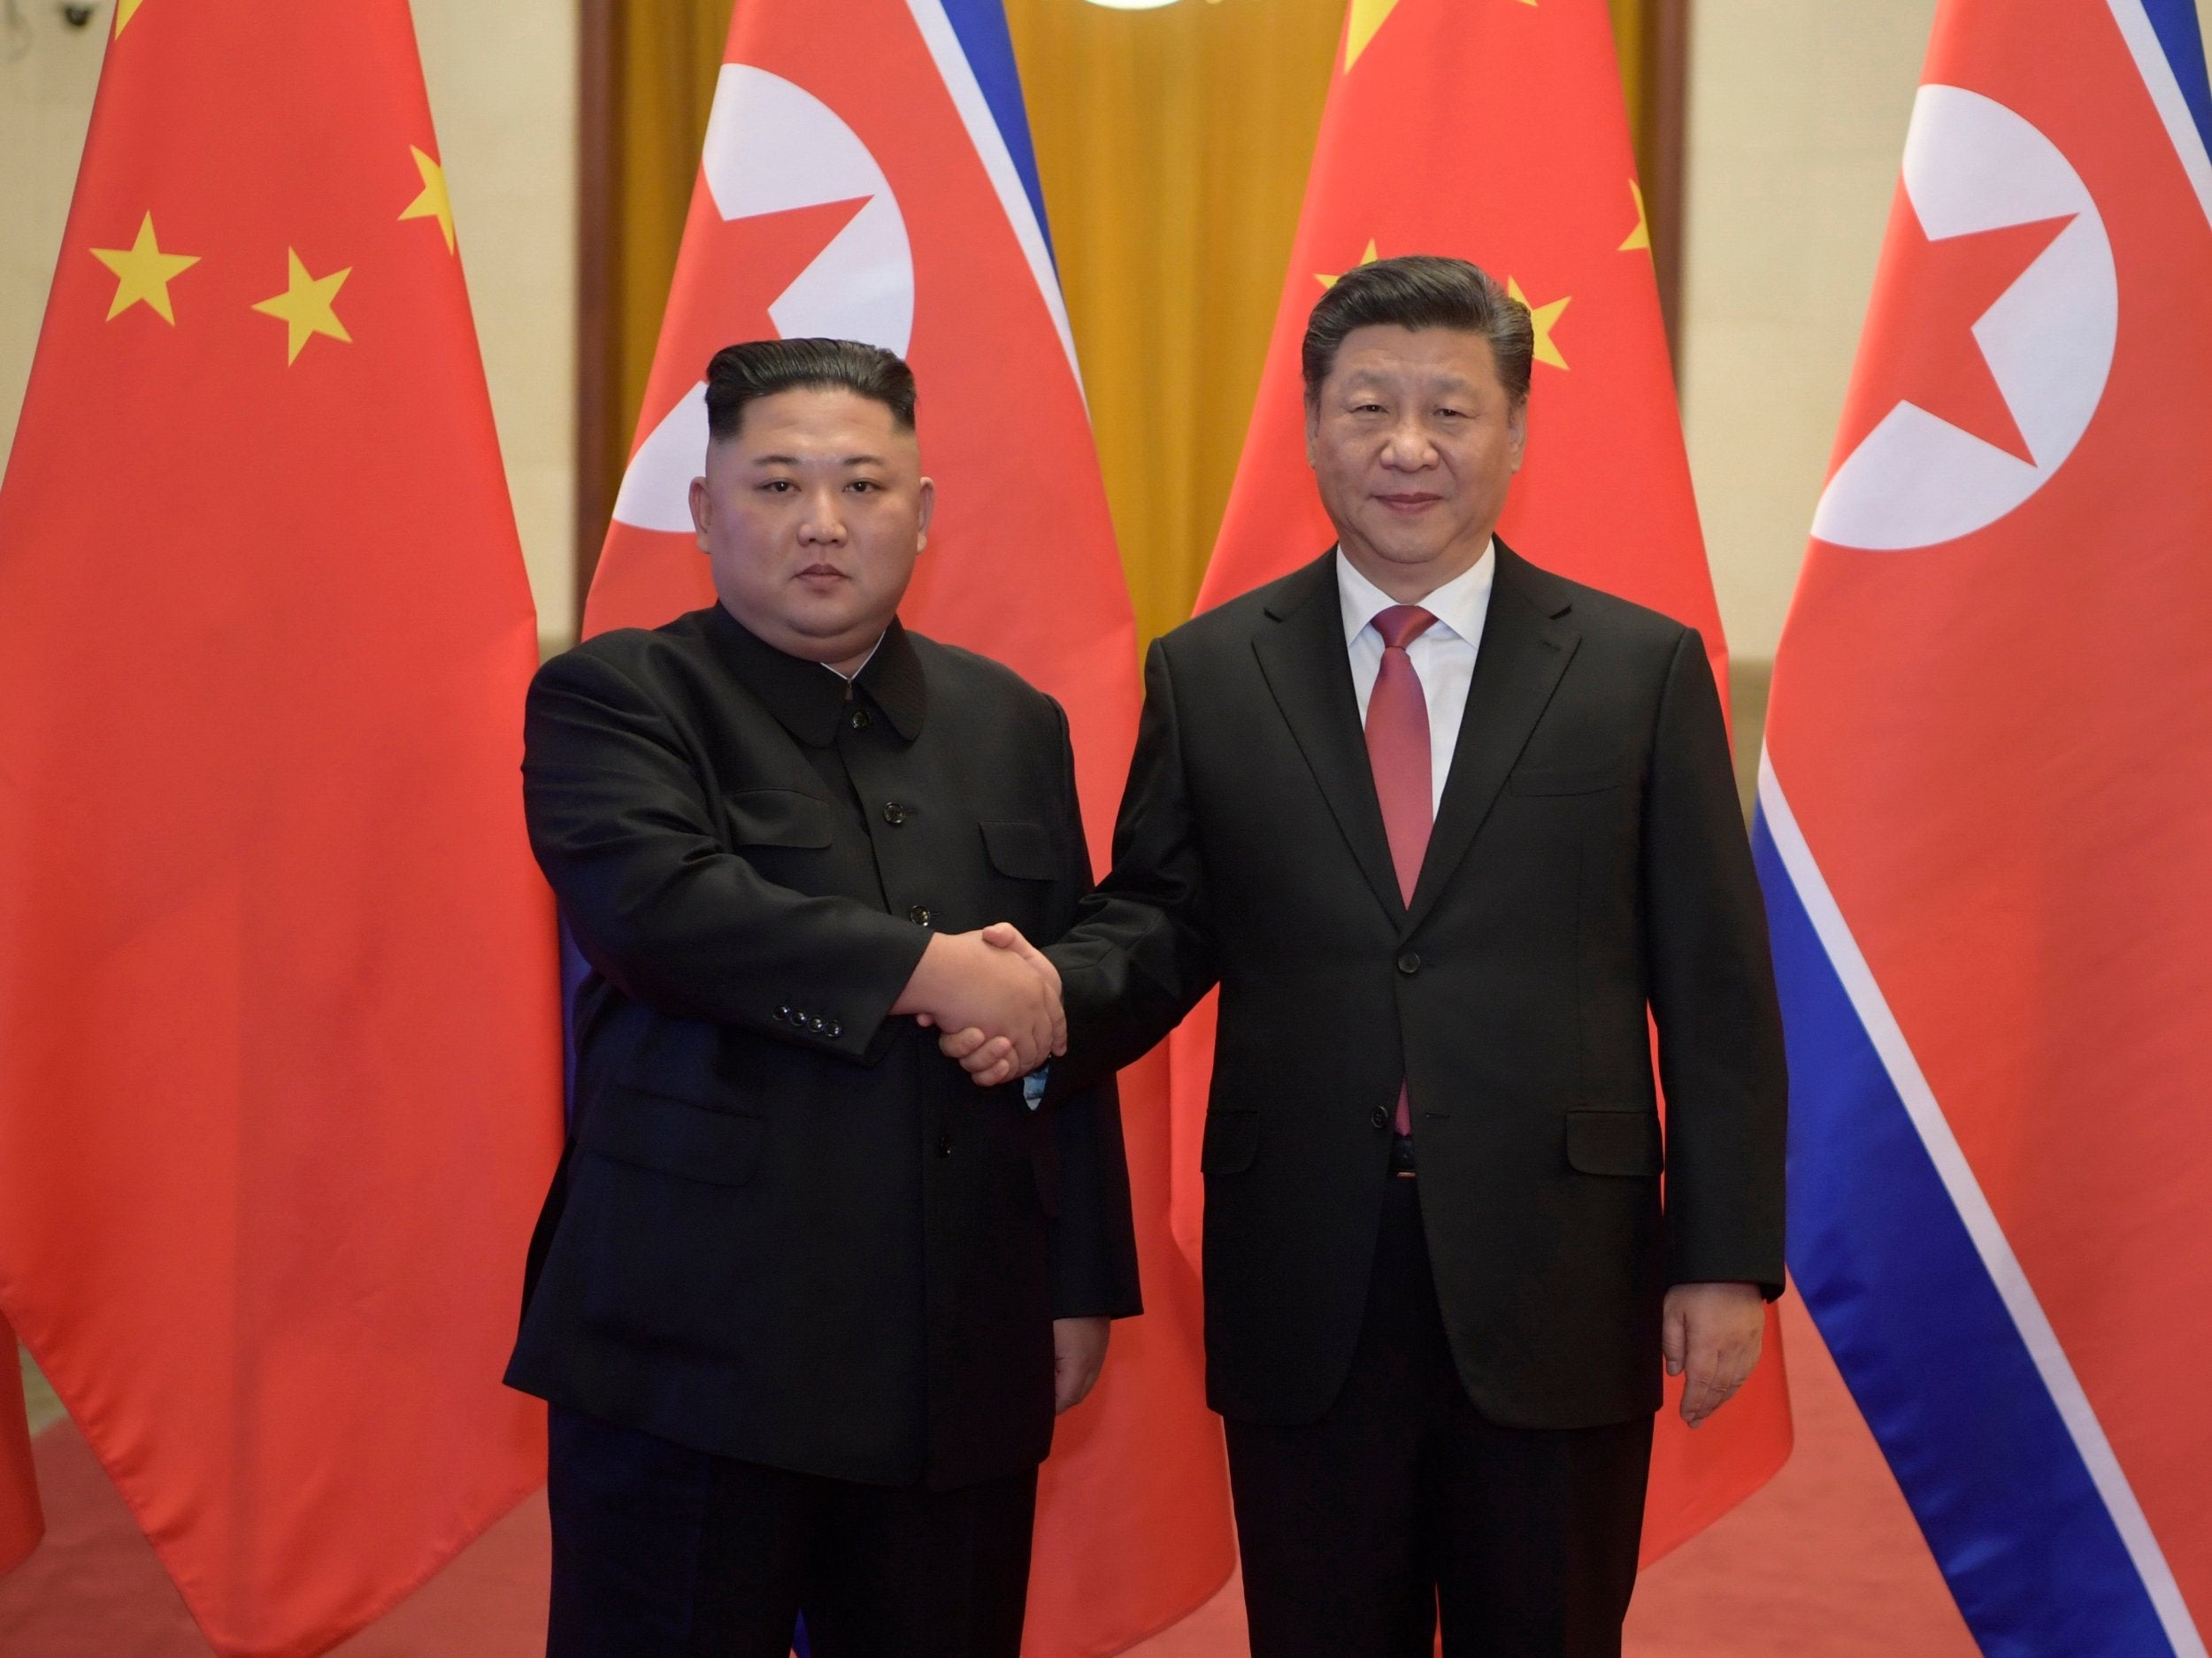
965, 984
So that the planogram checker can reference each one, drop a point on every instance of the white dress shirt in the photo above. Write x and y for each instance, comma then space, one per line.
1443, 655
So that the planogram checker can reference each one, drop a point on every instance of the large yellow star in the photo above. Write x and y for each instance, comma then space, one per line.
1544, 317
1640, 237
1369, 258
433, 203
304, 306
144, 272
1366, 17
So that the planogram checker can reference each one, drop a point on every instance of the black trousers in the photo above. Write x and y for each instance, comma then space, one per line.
662, 1551
1403, 1502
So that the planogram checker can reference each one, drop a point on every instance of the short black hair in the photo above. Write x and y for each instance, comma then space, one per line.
742, 374
1420, 290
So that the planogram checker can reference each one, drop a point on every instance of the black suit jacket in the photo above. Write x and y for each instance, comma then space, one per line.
1587, 865
786, 1229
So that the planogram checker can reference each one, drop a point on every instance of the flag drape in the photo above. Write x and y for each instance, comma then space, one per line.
1985, 832
279, 1061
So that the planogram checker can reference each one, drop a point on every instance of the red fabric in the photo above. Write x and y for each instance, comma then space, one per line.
789, 223
22, 1522
1398, 749
1497, 133
280, 1060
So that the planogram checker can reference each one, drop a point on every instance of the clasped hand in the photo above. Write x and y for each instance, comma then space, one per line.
994, 998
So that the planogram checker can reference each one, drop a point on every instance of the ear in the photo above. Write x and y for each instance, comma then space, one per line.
1313, 431
701, 510
1517, 430
927, 494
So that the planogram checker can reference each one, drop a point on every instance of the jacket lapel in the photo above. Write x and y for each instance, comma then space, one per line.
1526, 644
1308, 670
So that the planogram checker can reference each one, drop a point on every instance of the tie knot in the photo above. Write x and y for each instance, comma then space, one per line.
1401, 624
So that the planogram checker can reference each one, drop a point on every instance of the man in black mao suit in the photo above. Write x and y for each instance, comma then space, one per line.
1444, 828
805, 1300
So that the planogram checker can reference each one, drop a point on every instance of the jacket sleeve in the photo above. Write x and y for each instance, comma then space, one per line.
1094, 1237
1713, 1000
1139, 954
670, 917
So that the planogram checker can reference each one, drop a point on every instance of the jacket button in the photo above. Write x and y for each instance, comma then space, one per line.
1409, 964
857, 720
783, 1013
817, 1025
918, 915
1379, 1116
944, 1144
895, 814
836, 1029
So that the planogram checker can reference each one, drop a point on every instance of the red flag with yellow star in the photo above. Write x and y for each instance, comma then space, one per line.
1496, 130
279, 1052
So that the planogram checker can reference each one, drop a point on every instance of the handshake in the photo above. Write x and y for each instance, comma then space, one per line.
994, 998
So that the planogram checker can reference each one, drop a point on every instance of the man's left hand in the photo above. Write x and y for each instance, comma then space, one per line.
1079, 1353
1712, 1332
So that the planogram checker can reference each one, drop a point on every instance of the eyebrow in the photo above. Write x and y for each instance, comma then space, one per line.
843, 460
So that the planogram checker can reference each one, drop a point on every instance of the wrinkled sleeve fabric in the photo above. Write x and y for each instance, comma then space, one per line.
1094, 1235
1139, 954
1712, 994
661, 907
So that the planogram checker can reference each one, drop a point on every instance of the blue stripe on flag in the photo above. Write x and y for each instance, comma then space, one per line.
2175, 23
989, 49
1921, 1334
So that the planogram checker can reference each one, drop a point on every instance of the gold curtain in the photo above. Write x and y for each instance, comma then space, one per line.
1172, 145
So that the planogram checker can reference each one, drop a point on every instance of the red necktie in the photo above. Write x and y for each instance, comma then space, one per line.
1398, 751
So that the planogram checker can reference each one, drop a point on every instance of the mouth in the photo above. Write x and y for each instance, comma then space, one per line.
1408, 502
821, 576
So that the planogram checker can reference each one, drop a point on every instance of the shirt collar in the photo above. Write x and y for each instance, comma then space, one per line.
1459, 604
809, 698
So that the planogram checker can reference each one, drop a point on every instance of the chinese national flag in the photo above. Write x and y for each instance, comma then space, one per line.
1495, 130
279, 1055
22, 1522
865, 176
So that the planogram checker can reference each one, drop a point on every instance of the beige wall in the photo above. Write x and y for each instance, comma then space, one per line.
501, 75
1797, 123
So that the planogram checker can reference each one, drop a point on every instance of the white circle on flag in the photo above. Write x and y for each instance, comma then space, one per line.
1972, 164
771, 146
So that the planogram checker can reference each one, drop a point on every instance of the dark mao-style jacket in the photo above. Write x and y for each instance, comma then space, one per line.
786, 1229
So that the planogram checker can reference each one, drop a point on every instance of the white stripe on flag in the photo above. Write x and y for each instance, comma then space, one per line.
1966, 1194
998, 162
2157, 71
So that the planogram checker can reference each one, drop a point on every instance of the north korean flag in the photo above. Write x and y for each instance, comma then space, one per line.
1985, 832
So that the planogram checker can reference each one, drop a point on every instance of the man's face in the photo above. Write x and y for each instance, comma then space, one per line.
811, 515
1413, 441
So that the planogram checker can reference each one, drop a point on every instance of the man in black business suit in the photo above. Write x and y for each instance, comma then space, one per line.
1444, 828
805, 1301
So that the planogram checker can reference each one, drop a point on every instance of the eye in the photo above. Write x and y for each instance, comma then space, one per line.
779, 485
1452, 414
865, 485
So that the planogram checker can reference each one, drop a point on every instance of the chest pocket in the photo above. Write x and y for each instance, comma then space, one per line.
1023, 850
777, 817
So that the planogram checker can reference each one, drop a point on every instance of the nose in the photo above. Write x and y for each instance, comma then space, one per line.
1410, 448
823, 525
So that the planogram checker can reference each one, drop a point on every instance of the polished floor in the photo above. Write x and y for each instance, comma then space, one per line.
1825, 1563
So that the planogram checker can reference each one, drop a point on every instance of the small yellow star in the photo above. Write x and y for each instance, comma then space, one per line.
1544, 317
1369, 258
125, 11
145, 273
1366, 18
1640, 237
304, 306
433, 203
